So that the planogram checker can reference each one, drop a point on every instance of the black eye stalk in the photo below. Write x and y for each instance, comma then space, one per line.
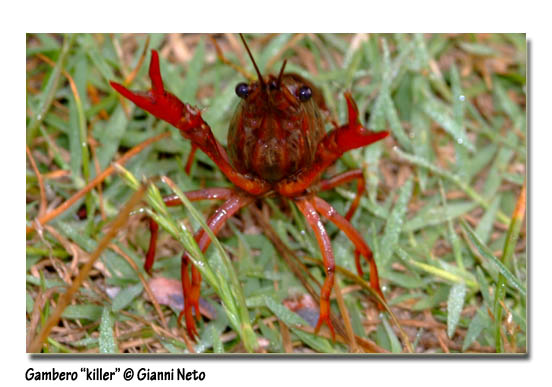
242, 90
304, 93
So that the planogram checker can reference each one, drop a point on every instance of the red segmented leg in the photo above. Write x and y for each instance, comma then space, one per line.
343, 224
150, 255
186, 291
190, 161
166, 106
306, 207
172, 201
357, 263
342, 178
192, 290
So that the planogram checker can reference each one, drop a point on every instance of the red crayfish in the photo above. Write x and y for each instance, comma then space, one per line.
277, 145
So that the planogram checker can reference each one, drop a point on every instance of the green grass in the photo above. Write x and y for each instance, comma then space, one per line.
438, 212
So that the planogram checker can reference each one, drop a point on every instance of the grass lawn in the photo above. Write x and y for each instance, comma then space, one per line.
443, 211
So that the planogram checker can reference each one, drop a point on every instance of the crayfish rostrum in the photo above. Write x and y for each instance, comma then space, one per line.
277, 145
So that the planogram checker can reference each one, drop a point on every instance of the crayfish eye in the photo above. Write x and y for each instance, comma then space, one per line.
304, 93
242, 90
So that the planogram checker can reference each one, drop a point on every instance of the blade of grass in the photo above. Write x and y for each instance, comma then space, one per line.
444, 274
293, 320
458, 108
433, 214
509, 246
107, 341
454, 240
394, 225
477, 324
487, 254
439, 114
86, 41
393, 340
126, 296
455, 305
191, 83
42, 206
485, 225
421, 143
51, 88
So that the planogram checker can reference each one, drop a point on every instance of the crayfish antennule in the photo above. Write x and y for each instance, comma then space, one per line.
280, 74
261, 80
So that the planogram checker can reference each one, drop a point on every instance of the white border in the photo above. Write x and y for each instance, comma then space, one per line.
278, 16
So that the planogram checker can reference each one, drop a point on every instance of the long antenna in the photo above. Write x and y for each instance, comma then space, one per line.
280, 75
254, 64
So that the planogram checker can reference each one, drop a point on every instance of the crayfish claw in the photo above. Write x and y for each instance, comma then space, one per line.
353, 135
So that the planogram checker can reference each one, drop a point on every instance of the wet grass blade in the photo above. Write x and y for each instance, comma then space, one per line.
50, 91
485, 226
439, 114
455, 305
509, 246
394, 342
107, 341
435, 215
83, 311
191, 84
477, 324
487, 254
395, 224
293, 320
126, 296
458, 109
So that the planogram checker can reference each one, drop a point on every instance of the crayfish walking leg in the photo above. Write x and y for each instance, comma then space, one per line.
306, 207
191, 289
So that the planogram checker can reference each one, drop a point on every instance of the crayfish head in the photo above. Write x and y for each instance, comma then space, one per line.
288, 95
276, 127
